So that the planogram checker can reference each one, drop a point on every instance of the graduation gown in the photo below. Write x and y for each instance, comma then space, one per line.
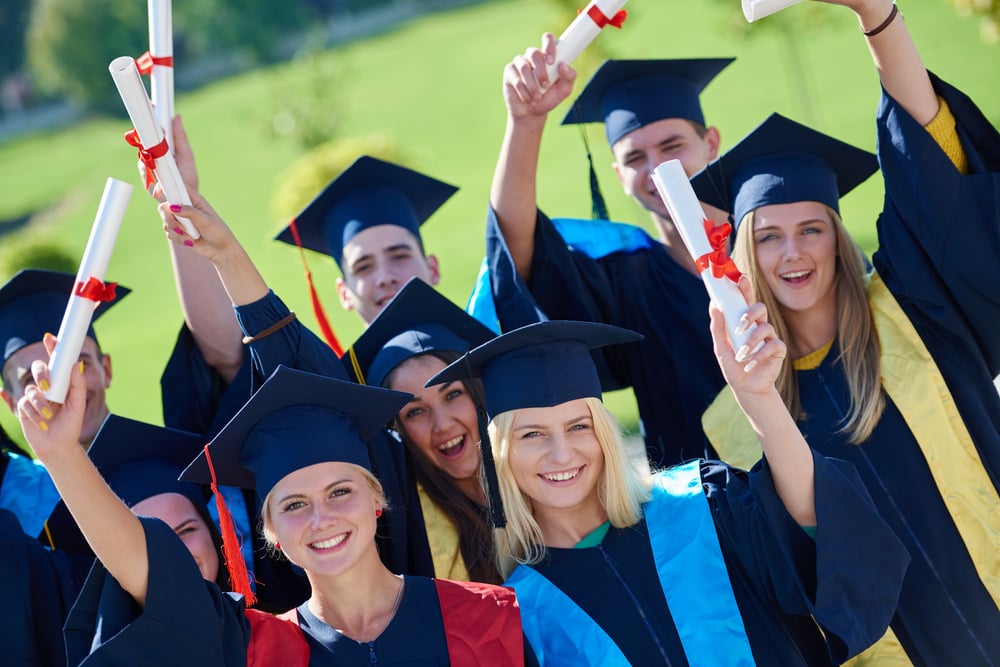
36, 598
939, 240
673, 372
188, 621
848, 578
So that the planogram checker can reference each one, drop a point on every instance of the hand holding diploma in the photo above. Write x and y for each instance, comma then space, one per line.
90, 289
584, 29
707, 244
148, 137
527, 89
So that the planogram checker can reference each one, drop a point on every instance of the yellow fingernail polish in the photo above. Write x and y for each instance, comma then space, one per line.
44, 426
47, 412
44, 385
81, 368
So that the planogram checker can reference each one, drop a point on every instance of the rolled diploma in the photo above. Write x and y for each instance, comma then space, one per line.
161, 79
688, 216
140, 111
758, 9
80, 310
579, 34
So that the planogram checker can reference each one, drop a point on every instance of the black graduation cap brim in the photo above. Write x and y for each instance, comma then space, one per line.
140, 460
778, 137
416, 304
32, 303
368, 408
542, 364
425, 195
650, 89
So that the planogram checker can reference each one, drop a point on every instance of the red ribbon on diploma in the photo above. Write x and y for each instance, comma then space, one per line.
721, 263
146, 61
147, 155
600, 19
96, 290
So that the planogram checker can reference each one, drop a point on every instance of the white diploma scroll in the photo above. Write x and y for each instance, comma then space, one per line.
581, 32
161, 77
688, 216
79, 309
758, 9
140, 111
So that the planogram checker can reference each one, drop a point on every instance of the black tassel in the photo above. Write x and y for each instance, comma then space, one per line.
598, 209
497, 515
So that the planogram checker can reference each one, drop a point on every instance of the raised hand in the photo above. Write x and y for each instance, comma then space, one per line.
752, 370
183, 157
527, 90
51, 428
216, 238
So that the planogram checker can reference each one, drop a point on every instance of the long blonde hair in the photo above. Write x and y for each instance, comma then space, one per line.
622, 489
856, 335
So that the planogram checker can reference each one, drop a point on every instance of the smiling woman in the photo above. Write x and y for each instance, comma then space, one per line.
699, 564
322, 508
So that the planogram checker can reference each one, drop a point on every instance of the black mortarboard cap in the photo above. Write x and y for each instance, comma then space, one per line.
296, 419
417, 320
32, 304
140, 460
782, 162
368, 193
628, 94
540, 365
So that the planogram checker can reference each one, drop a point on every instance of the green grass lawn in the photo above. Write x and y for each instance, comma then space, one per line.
434, 85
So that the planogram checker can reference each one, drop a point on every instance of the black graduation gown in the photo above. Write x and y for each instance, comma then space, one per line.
673, 372
939, 242
188, 621
848, 578
36, 598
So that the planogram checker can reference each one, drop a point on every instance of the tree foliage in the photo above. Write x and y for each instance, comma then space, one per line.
989, 16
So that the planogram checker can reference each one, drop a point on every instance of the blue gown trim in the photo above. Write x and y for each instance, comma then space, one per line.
28, 492
594, 238
688, 560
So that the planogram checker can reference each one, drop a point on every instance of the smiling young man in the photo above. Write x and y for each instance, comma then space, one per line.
651, 114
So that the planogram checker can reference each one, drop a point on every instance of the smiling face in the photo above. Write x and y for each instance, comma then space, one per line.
440, 422
323, 516
96, 370
557, 461
796, 248
377, 262
642, 150
179, 513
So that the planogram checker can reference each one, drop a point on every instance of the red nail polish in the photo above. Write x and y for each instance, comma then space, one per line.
188, 242
175, 208
179, 231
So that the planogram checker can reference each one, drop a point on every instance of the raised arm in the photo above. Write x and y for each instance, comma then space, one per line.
896, 58
751, 375
111, 529
203, 299
529, 99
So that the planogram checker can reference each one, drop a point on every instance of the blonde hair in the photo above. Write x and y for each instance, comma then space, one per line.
622, 489
267, 525
856, 335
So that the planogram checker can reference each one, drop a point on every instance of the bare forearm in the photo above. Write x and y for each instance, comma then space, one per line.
111, 529
898, 62
788, 455
242, 281
207, 311
513, 194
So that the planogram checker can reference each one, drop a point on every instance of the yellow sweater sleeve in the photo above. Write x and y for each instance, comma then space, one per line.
942, 130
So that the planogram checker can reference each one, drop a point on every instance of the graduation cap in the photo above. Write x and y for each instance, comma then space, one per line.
368, 193
540, 365
628, 94
32, 304
417, 320
781, 162
296, 419
139, 460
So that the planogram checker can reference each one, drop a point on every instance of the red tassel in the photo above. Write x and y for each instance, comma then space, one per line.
321, 319
239, 578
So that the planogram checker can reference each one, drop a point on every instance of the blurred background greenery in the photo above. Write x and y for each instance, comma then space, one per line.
417, 82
